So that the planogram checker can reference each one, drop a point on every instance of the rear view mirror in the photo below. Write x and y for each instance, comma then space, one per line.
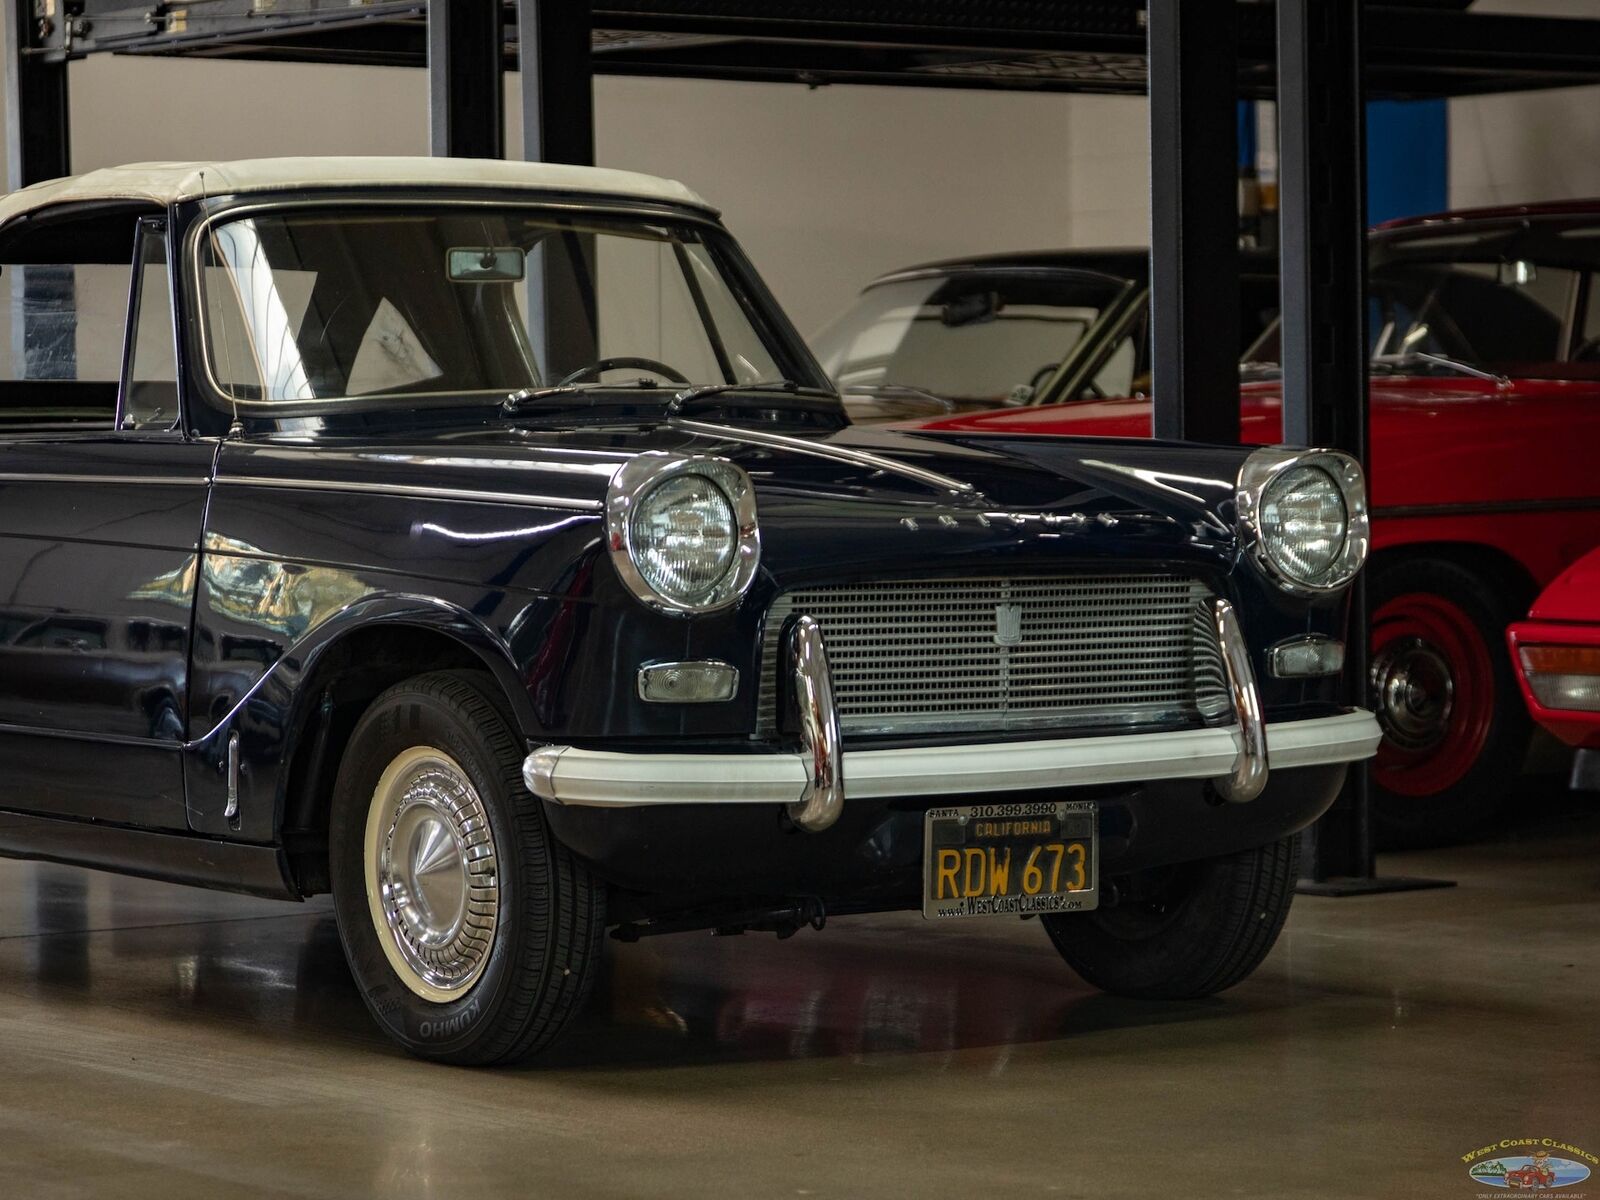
485, 264
1519, 272
972, 309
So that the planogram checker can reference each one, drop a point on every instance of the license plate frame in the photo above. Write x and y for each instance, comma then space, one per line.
988, 829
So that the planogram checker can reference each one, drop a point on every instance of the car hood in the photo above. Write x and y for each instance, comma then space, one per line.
1022, 480
1574, 595
1260, 410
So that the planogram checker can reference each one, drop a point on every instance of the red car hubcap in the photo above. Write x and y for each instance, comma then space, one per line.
1433, 689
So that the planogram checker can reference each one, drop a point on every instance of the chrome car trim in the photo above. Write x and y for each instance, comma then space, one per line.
1265, 465
821, 449
727, 674
823, 797
539, 770
1279, 653
232, 809
432, 876
619, 779
418, 491
1248, 775
57, 477
1093, 650
639, 476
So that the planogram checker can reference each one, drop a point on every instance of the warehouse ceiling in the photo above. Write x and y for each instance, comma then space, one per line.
1412, 50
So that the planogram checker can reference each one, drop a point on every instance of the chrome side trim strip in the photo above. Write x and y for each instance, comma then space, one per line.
414, 490
231, 812
819, 449
822, 800
153, 480
1249, 774
613, 779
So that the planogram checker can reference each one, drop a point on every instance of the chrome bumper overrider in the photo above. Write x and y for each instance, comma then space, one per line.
815, 781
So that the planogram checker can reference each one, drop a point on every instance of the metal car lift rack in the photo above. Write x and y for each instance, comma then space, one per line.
1320, 58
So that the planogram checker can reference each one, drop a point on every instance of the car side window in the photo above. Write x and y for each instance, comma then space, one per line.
150, 376
1586, 346
61, 333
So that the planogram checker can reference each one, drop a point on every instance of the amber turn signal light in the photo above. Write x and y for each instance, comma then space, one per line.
1564, 677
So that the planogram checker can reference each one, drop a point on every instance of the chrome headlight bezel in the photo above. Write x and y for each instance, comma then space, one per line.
634, 482
1257, 476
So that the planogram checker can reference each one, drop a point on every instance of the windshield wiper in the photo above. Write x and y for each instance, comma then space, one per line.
1399, 362
523, 397
1393, 363
902, 391
694, 397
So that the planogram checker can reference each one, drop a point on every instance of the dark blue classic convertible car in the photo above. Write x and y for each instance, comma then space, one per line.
478, 542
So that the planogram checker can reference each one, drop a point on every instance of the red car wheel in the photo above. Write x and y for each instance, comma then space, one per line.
1433, 684
1455, 728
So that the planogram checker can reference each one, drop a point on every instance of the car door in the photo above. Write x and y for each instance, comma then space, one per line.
102, 501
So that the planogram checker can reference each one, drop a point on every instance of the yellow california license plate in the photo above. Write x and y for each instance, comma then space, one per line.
999, 859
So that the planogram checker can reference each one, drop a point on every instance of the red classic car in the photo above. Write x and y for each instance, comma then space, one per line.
1556, 653
1531, 1176
1485, 427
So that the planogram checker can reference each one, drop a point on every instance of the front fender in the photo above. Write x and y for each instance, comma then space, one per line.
272, 714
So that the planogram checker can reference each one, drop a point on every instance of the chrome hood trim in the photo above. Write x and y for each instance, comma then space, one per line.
817, 448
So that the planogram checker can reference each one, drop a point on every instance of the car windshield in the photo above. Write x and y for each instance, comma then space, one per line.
349, 305
1514, 301
975, 335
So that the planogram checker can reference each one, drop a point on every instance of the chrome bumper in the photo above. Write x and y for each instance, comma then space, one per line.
812, 782
568, 775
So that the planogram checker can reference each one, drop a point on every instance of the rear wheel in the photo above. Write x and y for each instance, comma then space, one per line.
471, 933
1455, 728
1182, 932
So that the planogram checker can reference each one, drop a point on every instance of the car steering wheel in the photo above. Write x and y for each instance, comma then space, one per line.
654, 366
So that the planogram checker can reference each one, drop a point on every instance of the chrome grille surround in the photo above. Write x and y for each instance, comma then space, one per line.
924, 655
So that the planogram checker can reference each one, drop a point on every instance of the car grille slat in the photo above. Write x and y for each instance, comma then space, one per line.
925, 655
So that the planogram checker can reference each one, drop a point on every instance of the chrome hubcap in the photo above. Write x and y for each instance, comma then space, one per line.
432, 881
1414, 693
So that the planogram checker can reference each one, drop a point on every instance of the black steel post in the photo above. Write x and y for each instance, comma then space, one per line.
1323, 249
466, 78
1194, 218
558, 127
37, 146
557, 81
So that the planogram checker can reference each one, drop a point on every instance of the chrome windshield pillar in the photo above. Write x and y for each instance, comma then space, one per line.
1249, 773
823, 798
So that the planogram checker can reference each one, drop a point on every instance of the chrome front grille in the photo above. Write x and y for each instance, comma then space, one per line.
930, 655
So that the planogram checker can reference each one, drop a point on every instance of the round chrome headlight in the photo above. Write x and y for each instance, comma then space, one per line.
1303, 523
682, 531
684, 538
1304, 517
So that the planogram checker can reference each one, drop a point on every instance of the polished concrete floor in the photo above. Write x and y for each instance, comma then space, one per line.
162, 1042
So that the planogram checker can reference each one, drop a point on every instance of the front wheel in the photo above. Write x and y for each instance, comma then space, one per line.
1179, 933
1455, 731
472, 934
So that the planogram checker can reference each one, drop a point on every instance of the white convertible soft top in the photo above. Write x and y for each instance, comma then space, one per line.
170, 182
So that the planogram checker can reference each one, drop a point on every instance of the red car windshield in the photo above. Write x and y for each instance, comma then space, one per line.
1518, 300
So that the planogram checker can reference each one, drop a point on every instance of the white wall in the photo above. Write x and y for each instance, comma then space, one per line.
826, 188
1526, 146
1531, 146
